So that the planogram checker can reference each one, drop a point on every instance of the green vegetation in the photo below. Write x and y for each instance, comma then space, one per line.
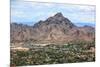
55, 54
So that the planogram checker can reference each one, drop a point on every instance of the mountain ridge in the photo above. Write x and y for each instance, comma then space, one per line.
56, 28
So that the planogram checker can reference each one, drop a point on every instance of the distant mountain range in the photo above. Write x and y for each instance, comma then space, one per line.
82, 24
56, 28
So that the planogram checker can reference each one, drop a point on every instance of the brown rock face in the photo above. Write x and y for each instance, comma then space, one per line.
54, 29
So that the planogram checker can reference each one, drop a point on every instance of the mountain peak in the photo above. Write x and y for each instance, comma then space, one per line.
58, 19
58, 14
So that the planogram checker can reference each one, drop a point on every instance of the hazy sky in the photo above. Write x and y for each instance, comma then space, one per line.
32, 12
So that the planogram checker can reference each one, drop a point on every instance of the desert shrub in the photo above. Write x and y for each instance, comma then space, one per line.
54, 54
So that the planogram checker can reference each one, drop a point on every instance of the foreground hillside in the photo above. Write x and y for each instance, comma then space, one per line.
54, 54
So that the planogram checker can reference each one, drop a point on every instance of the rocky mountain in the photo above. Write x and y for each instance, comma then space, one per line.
54, 29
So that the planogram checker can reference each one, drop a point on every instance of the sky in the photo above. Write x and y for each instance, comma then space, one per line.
31, 12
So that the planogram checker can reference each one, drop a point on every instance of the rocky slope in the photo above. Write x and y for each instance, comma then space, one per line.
54, 29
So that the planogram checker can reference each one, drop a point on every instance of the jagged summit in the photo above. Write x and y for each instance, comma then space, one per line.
58, 18
58, 14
